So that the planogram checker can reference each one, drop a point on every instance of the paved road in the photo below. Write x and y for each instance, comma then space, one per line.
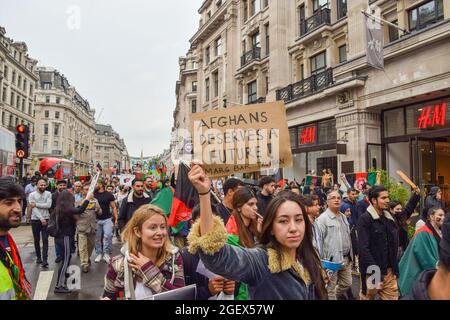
91, 283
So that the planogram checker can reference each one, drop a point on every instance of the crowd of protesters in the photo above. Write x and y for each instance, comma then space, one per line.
272, 240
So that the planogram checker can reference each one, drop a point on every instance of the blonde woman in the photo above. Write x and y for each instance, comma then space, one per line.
148, 263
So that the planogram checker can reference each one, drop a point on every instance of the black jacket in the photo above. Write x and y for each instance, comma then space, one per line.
354, 209
129, 206
263, 203
67, 222
191, 276
377, 243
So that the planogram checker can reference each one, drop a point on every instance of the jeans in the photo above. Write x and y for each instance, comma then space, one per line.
106, 227
341, 281
39, 230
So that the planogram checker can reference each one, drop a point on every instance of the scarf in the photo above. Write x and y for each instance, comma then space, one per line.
14, 265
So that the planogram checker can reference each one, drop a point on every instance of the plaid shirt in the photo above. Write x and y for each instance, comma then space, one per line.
154, 278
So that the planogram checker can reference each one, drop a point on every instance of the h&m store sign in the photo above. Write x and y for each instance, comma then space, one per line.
432, 116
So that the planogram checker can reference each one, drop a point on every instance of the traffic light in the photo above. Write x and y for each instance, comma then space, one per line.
22, 141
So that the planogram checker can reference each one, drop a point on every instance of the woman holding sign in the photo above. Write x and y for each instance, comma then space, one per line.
284, 266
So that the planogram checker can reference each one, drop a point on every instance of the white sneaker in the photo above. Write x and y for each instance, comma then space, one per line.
98, 258
106, 258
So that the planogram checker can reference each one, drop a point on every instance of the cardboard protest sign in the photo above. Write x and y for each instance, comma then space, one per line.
242, 139
126, 179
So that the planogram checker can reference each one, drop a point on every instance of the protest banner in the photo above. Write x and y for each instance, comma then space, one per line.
126, 179
242, 139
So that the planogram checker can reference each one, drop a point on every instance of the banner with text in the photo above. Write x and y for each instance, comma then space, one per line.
242, 139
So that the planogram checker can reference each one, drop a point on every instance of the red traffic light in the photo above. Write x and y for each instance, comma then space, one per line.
21, 128
20, 154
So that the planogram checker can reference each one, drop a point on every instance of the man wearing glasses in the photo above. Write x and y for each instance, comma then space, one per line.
336, 245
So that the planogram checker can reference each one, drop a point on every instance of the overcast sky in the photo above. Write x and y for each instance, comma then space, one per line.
121, 55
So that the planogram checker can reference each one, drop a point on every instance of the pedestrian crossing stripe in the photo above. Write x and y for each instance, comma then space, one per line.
43, 285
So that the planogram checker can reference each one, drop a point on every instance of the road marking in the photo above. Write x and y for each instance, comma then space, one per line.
43, 285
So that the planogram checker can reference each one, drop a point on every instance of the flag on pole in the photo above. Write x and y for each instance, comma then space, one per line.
164, 200
184, 199
374, 42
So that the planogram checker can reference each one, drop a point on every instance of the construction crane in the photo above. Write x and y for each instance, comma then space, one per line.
99, 115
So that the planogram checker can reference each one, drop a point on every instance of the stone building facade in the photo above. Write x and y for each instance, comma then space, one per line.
110, 150
342, 113
17, 87
65, 123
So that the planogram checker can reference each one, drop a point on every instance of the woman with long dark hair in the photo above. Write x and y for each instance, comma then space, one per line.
242, 227
65, 217
284, 266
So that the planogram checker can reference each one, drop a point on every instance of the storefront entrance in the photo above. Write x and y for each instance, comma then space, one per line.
431, 164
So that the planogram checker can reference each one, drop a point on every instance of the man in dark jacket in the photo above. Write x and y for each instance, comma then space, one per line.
225, 208
132, 202
267, 188
377, 248
61, 185
435, 284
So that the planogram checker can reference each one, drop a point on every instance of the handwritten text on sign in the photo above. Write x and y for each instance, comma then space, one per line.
242, 139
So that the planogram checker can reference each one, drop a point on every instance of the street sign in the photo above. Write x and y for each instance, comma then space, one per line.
20, 154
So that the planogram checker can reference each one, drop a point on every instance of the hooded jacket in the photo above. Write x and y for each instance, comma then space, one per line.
120, 279
431, 202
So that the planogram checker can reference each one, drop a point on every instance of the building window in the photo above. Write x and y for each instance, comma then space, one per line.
56, 130
318, 63
3, 118
10, 120
267, 85
265, 3
58, 99
342, 53
45, 146
47, 85
12, 99
245, 7
14, 77
55, 145
216, 84
207, 90
17, 122
207, 55
426, 14
256, 40
6, 73
208, 15
194, 106
56, 114
252, 94
47, 99
194, 86
30, 109
46, 128
4, 94
23, 105
218, 47
266, 27
19, 81
341, 9
18, 102
393, 32
320, 4
47, 113
255, 7
24, 87
218, 3
194, 65
31, 89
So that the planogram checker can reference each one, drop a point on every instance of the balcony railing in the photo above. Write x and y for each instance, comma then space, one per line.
306, 86
252, 55
259, 100
321, 17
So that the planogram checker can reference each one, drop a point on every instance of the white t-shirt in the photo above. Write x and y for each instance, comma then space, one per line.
142, 292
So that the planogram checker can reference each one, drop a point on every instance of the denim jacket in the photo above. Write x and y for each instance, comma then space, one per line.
330, 234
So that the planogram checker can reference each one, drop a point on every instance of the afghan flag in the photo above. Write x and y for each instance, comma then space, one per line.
308, 180
351, 178
372, 178
233, 239
361, 178
184, 199
163, 200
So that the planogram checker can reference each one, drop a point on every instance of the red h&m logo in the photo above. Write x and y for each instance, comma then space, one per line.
430, 118
308, 135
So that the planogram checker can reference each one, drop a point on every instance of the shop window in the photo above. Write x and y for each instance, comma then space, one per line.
327, 132
374, 156
394, 124
293, 137
426, 116
307, 135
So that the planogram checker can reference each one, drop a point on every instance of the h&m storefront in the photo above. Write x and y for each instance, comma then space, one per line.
416, 140
313, 149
